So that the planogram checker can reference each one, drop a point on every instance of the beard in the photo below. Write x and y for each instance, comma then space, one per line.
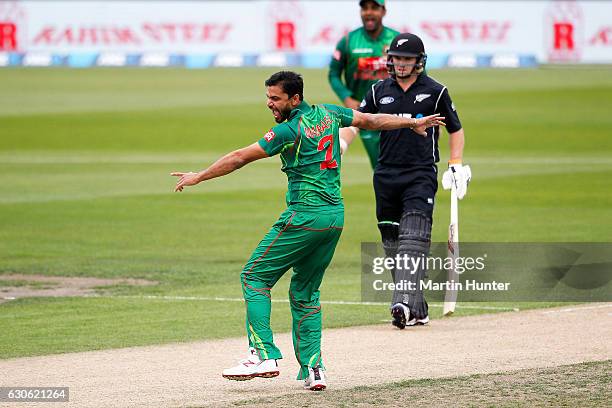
281, 115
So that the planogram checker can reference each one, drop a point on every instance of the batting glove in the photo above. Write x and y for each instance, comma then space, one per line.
458, 176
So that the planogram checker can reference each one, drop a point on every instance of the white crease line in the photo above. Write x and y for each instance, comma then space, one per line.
577, 309
328, 302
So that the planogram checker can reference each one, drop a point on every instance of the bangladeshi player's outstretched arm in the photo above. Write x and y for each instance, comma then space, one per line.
225, 165
383, 121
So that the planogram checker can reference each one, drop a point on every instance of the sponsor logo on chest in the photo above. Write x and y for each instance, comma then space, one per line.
386, 100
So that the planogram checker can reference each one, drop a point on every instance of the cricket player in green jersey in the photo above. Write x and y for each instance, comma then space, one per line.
305, 236
362, 56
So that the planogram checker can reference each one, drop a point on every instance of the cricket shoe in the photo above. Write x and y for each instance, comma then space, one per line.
417, 322
316, 379
413, 321
252, 367
400, 314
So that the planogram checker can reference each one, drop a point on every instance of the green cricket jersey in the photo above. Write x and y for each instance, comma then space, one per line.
308, 143
363, 60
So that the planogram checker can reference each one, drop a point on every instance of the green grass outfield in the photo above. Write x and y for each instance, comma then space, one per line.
84, 163
575, 385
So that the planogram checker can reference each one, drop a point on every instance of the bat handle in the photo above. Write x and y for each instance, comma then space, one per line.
454, 208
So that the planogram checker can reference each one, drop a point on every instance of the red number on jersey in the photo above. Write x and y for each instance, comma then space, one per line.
329, 162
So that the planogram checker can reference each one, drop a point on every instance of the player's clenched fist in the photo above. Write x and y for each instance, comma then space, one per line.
186, 179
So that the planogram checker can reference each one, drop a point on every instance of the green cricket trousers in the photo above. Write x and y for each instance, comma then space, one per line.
371, 142
303, 238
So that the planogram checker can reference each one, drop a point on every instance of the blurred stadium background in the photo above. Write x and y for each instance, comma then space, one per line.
203, 34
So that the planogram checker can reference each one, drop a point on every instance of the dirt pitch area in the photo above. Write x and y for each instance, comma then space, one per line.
189, 374
17, 286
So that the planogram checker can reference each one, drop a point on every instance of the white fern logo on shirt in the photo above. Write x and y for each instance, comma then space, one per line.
421, 97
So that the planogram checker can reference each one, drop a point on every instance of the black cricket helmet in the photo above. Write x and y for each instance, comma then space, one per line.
407, 45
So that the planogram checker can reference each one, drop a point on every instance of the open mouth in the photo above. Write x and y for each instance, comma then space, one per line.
277, 114
370, 22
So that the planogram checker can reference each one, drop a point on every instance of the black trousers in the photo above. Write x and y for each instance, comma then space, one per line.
400, 189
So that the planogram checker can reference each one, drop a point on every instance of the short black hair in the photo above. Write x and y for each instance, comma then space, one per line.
290, 82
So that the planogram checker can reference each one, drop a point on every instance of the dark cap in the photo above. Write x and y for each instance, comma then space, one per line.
379, 2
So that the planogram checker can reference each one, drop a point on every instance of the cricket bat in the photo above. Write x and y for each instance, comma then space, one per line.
450, 296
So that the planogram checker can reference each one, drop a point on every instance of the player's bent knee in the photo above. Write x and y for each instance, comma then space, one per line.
389, 232
415, 226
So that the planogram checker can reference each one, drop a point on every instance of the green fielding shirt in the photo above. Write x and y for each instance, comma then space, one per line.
309, 147
363, 60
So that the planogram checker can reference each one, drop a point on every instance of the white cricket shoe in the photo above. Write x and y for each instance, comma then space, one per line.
413, 321
316, 379
402, 317
252, 367
417, 322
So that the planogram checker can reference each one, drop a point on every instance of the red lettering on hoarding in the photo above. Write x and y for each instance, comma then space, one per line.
602, 37
45, 36
152, 31
325, 36
447, 28
215, 32
285, 35
430, 31
467, 31
8, 37
502, 32
125, 36
87, 36
156, 33
563, 34
188, 32
330, 35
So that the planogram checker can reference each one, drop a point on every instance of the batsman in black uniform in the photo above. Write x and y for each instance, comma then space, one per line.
405, 177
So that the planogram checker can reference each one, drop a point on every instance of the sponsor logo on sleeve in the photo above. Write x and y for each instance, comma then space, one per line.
363, 103
421, 97
386, 100
269, 136
453, 106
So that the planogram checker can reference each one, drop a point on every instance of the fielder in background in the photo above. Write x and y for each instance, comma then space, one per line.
361, 55
405, 178
305, 236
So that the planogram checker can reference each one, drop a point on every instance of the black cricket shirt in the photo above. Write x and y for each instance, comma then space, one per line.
426, 96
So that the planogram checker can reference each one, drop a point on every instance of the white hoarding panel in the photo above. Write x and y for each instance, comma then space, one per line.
555, 31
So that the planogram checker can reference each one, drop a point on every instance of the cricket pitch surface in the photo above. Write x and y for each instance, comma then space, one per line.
189, 374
